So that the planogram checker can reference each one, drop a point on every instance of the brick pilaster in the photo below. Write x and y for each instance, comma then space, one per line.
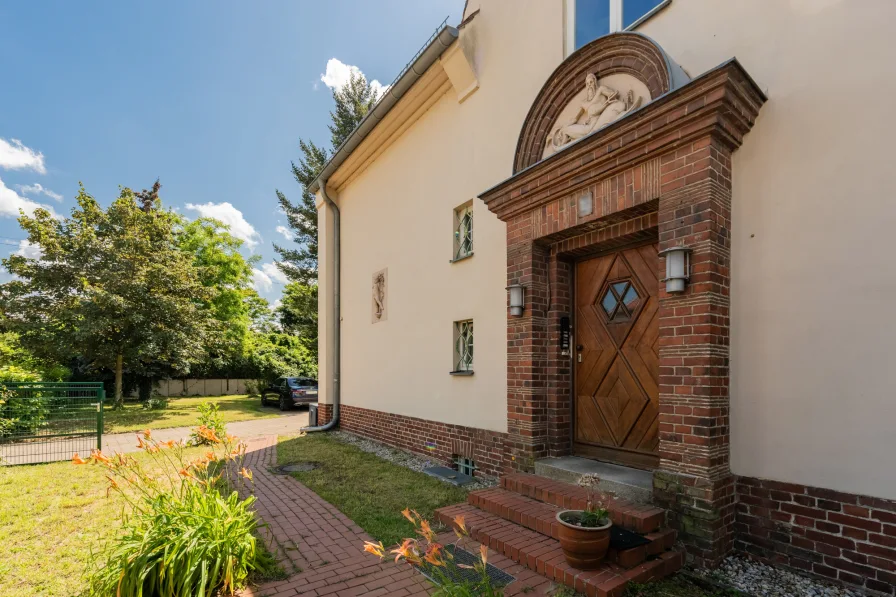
694, 480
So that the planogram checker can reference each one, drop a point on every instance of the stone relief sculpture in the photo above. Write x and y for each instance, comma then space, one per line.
379, 296
601, 106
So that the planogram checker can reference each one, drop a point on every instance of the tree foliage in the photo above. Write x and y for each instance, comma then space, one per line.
112, 286
298, 313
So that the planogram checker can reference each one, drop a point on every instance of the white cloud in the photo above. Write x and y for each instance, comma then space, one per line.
232, 217
286, 232
276, 304
15, 156
273, 272
26, 249
11, 202
338, 74
261, 281
38, 189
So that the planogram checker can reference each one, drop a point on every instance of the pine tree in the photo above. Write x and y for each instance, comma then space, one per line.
353, 101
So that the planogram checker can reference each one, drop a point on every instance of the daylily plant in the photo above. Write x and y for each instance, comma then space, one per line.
423, 551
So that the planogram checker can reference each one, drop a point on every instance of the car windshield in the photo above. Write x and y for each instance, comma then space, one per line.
298, 382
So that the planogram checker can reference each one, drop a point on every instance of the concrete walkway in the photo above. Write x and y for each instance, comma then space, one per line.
289, 422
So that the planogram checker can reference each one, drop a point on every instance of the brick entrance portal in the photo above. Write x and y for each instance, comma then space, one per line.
661, 174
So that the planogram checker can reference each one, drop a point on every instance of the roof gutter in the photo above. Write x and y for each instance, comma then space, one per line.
425, 58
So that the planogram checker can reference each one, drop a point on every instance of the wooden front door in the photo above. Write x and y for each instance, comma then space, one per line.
617, 357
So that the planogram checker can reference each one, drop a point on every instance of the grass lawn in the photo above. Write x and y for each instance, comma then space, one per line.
366, 488
182, 412
52, 516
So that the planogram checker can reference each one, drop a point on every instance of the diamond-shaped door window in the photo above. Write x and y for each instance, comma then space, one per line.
620, 300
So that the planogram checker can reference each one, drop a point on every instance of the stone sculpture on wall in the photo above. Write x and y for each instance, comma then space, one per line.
601, 106
379, 296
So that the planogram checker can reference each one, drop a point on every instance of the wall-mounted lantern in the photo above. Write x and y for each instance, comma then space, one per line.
678, 268
517, 299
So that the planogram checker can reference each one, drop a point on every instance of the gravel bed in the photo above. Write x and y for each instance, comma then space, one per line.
401, 458
762, 580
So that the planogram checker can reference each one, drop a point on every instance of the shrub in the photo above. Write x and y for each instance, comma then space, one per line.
253, 387
19, 416
155, 403
423, 552
186, 532
209, 418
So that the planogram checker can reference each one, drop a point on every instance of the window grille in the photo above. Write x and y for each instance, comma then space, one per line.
463, 231
463, 345
465, 465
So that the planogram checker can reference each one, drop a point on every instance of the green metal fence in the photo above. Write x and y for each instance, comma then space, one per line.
47, 421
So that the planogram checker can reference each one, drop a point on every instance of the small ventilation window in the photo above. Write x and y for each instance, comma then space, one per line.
463, 231
465, 465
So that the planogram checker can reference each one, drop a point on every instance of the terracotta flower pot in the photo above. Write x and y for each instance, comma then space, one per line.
584, 547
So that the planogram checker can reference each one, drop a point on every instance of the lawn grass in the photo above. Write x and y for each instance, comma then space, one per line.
183, 412
52, 516
369, 490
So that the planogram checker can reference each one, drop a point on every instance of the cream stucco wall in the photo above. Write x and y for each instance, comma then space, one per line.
398, 214
813, 330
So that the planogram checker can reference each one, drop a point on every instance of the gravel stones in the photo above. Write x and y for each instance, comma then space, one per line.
763, 580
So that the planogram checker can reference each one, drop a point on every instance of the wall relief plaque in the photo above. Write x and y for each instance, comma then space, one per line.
379, 295
601, 102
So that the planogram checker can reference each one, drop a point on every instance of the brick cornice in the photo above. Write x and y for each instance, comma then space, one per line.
722, 103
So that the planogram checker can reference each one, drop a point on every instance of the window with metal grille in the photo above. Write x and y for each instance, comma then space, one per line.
465, 465
463, 231
463, 345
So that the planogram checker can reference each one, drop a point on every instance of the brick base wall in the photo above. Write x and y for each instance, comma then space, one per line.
435, 440
324, 413
839, 536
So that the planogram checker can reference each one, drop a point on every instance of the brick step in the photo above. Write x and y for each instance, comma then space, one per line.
639, 518
543, 555
541, 518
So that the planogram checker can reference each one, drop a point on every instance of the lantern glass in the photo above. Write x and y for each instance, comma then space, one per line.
517, 299
678, 266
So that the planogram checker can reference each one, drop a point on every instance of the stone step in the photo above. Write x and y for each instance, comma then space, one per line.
639, 518
541, 518
542, 554
634, 485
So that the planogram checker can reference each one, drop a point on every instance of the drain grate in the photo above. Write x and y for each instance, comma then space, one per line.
498, 577
296, 467
449, 474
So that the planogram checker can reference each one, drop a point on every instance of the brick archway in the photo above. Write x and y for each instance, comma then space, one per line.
662, 172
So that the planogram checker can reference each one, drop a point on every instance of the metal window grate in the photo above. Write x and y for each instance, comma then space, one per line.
463, 231
467, 574
465, 465
463, 345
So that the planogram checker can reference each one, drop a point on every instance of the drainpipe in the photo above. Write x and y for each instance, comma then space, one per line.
337, 323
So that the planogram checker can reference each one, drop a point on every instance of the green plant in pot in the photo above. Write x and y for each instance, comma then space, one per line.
585, 534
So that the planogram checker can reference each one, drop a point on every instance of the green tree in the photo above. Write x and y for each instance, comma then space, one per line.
112, 286
298, 313
353, 101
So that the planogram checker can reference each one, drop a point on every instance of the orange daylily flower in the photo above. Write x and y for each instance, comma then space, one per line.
185, 473
147, 433
433, 555
140, 443
78, 460
210, 456
407, 551
100, 457
170, 443
246, 473
426, 530
483, 554
460, 524
407, 514
376, 549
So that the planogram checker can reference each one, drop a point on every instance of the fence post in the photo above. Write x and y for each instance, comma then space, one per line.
99, 418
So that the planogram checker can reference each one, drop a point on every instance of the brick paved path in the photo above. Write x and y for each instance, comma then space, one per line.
308, 534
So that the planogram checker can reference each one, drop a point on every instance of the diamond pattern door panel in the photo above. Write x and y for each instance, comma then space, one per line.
617, 367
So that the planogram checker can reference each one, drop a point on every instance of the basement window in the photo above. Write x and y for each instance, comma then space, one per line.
465, 465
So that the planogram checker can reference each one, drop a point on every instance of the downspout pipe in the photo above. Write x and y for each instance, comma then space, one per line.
337, 319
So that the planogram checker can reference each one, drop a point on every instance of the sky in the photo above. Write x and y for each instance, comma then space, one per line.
209, 96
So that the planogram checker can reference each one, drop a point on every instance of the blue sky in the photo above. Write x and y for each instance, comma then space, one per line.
209, 96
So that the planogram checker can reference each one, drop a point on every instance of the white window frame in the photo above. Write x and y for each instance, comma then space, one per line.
459, 213
616, 20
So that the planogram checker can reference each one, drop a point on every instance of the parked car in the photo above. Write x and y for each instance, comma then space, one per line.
290, 391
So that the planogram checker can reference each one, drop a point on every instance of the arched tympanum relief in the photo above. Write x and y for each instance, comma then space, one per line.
597, 85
